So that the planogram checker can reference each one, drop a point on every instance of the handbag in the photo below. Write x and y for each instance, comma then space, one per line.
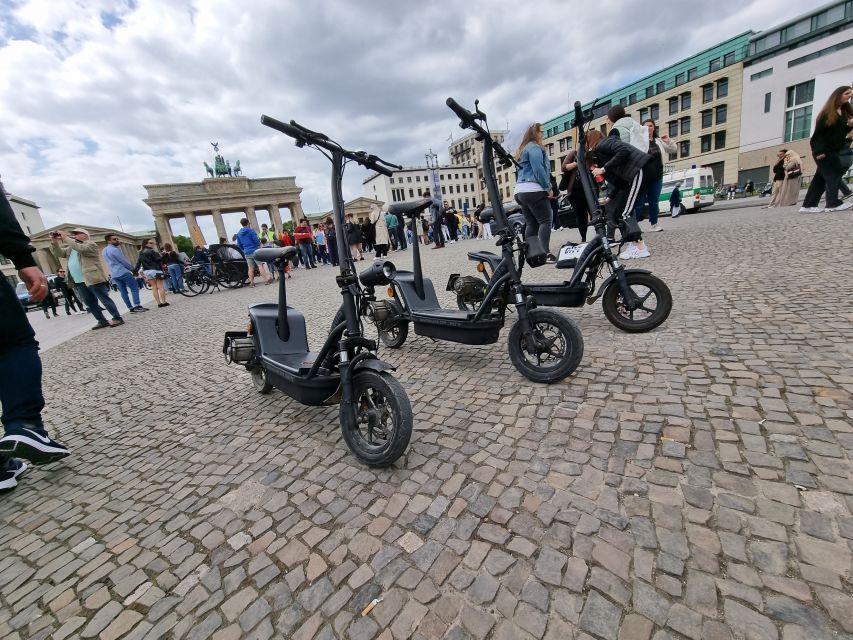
630, 230
846, 158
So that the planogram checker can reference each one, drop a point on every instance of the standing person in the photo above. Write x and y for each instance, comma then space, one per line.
466, 226
320, 240
305, 243
790, 191
624, 168
830, 137
424, 227
675, 201
68, 296
267, 234
249, 242
175, 267
380, 231
401, 231
533, 187
21, 396
90, 279
451, 224
477, 222
749, 187
367, 236
353, 231
778, 177
435, 213
332, 242
659, 146
391, 225
572, 185
49, 301
445, 214
121, 271
151, 262
554, 202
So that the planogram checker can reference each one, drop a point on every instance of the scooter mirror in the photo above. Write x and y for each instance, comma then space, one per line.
381, 272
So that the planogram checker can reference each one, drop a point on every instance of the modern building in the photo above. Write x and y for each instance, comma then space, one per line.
696, 101
28, 216
789, 72
459, 185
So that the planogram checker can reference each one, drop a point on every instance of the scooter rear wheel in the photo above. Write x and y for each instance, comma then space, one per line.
379, 429
655, 303
260, 382
559, 347
395, 336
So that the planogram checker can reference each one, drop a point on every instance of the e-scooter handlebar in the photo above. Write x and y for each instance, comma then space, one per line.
468, 120
304, 136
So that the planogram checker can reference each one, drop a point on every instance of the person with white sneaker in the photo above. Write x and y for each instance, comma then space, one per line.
21, 397
832, 128
658, 146
625, 169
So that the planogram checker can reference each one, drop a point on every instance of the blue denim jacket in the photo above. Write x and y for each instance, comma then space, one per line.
534, 166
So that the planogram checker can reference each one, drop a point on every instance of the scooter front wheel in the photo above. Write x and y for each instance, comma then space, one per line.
556, 351
378, 430
655, 303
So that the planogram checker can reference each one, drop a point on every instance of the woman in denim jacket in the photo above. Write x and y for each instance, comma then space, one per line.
533, 186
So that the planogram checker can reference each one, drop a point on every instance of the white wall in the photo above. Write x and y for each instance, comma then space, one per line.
828, 82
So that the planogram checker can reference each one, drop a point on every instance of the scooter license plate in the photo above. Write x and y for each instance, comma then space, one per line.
571, 253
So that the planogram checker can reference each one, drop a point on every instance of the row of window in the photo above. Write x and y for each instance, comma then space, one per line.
798, 110
718, 139
714, 64
454, 176
682, 125
399, 195
802, 27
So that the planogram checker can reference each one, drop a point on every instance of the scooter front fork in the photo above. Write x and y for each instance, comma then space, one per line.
629, 298
530, 339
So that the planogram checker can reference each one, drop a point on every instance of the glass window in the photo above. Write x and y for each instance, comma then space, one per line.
563, 144
679, 79
707, 93
767, 102
417, 178
796, 30
685, 101
673, 156
660, 87
722, 88
673, 128
654, 112
408, 178
644, 113
684, 148
714, 65
673, 106
692, 74
685, 125
705, 143
411, 193
391, 180
722, 114
797, 123
650, 91
632, 98
719, 140
761, 74
800, 94
728, 59
707, 118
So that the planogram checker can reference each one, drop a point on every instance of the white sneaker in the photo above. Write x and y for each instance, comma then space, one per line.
811, 210
630, 252
842, 207
641, 253
656, 227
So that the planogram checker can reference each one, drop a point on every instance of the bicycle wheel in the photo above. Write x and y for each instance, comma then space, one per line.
195, 282
229, 276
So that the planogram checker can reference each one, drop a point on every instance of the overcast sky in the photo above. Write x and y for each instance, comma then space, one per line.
102, 96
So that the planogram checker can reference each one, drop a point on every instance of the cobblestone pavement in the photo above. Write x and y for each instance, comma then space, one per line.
693, 482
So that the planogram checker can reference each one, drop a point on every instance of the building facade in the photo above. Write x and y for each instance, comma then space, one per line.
459, 185
696, 101
789, 72
468, 151
28, 216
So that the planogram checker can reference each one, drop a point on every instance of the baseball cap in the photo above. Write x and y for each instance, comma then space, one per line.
78, 230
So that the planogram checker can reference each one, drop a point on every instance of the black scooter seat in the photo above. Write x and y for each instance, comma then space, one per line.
410, 208
294, 363
271, 254
492, 259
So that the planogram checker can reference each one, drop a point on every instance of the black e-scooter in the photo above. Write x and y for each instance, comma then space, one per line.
633, 300
375, 414
545, 346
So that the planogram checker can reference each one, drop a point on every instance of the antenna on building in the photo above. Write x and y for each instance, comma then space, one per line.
120, 224
450, 137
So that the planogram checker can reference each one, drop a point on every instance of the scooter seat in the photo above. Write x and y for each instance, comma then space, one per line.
410, 208
271, 254
492, 259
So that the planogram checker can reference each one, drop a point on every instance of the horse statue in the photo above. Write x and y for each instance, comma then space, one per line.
208, 169
228, 168
237, 170
220, 167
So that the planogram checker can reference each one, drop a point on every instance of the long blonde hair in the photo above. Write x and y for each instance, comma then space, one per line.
833, 104
793, 156
533, 134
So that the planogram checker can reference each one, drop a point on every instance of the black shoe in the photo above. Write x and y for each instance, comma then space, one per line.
46, 317
550, 258
9, 476
31, 445
140, 309
116, 323
101, 325
55, 315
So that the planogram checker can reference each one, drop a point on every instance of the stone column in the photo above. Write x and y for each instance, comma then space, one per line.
161, 224
253, 219
219, 224
275, 217
296, 212
195, 231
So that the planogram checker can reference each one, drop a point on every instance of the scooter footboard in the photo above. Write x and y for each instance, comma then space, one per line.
558, 295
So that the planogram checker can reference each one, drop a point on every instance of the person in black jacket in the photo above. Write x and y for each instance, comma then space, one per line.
20, 366
830, 137
626, 170
151, 262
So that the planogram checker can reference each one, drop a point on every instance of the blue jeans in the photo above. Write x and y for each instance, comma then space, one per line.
125, 282
90, 299
176, 275
20, 366
307, 253
652, 196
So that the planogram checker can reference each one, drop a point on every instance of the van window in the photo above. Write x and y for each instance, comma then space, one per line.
688, 183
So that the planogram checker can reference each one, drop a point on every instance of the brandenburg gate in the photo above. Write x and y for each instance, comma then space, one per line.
215, 196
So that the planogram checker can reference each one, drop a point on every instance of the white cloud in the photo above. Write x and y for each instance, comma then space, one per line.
103, 96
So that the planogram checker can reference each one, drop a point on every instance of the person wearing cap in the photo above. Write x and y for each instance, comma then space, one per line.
87, 271
24, 436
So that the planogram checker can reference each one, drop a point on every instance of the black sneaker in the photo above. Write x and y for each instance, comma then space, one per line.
550, 258
116, 323
140, 309
9, 476
101, 325
31, 445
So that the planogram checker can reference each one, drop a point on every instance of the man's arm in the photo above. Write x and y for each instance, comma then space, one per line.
117, 256
87, 248
15, 245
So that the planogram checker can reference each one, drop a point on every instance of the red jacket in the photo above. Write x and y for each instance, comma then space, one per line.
303, 234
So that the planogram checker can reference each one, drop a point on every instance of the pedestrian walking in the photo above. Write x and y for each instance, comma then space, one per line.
789, 194
533, 187
249, 242
354, 237
380, 231
305, 243
150, 261
121, 272
49, 302
675, 201
320, 242
85, 268
401, 232
778, 172
391, 225
72, 302
21, 398
175, 268
832, 128
659, 147
435, 213
332, 241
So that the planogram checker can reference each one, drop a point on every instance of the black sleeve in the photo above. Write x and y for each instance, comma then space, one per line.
14, 243
620, 151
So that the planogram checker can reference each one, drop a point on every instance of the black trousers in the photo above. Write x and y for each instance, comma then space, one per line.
623, 199
826, 178
437, 235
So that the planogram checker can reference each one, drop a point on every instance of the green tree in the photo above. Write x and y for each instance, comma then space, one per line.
182, 243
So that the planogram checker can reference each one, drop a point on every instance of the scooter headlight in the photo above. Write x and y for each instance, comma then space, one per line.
381, 272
